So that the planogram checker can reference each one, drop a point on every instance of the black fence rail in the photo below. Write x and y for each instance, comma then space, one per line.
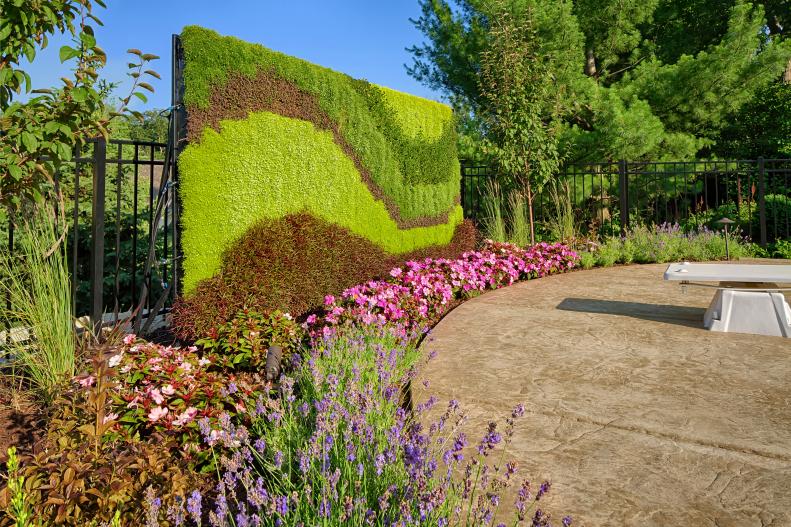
112, 192
610, 197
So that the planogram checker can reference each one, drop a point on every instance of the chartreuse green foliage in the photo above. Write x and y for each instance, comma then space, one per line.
269, 166
420, 131
414, 164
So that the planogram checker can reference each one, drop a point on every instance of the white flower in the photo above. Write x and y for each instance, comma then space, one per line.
115, 360
204, 362
287, 316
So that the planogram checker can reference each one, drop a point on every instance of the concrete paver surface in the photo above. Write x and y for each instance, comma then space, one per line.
637, 414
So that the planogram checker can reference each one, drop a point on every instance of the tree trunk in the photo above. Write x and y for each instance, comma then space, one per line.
590, 63
787, 74
530, 212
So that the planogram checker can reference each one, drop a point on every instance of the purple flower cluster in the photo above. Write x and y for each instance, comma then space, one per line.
338, 448
420, 292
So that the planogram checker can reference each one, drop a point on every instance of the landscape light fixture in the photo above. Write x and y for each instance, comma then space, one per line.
725, 222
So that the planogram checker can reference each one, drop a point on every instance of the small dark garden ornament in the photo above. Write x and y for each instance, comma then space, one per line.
274, 357
725, 222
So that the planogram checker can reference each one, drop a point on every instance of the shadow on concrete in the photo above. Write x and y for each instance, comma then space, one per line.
680, 315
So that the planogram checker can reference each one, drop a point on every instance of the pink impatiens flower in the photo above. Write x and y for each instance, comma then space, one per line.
130, 339
87, 381
156, 395
157, 413
168, 390
115, 360
186, 416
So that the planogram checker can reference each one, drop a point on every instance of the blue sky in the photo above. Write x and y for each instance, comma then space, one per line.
364, 38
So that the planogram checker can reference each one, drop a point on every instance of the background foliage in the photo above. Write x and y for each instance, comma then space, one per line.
37, 136
657, 79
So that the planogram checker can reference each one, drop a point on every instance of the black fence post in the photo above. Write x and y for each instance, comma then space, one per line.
762, 199
463, 188
623, 186
177, 139
97, 233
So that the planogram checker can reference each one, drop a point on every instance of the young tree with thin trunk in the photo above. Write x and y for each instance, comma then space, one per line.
519, 105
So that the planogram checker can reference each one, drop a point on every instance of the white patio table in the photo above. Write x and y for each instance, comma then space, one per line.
748, 297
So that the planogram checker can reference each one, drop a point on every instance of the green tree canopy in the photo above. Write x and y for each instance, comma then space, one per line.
637, 79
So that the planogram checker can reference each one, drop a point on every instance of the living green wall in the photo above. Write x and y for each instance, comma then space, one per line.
379, 125
269, 166
273, 136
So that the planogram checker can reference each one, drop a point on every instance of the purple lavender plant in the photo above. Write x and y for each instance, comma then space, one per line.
341, 449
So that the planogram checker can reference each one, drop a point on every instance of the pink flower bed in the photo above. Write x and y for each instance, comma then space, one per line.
420, 292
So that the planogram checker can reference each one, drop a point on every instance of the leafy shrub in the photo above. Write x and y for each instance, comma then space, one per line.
242, 343
587, 259
90, 473
609, 253
291, 264
162, 392
778, 217
782, 249
747, 217
666, 243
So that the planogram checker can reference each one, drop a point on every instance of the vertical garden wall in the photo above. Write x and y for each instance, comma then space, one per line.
298, 181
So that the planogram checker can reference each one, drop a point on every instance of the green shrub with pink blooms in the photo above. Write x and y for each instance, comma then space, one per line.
162, 391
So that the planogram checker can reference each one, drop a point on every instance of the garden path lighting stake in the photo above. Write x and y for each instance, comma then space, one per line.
725, 222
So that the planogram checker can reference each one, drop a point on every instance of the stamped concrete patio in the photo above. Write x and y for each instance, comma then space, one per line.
637, 414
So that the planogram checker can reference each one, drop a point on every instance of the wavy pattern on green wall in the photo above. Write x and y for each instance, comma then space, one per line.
269, 166
406, 143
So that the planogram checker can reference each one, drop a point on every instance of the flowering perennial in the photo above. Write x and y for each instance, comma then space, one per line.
168, 390
339, 449
417, 294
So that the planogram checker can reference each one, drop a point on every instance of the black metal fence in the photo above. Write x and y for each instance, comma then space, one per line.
610, 197
122, 209
112, 194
